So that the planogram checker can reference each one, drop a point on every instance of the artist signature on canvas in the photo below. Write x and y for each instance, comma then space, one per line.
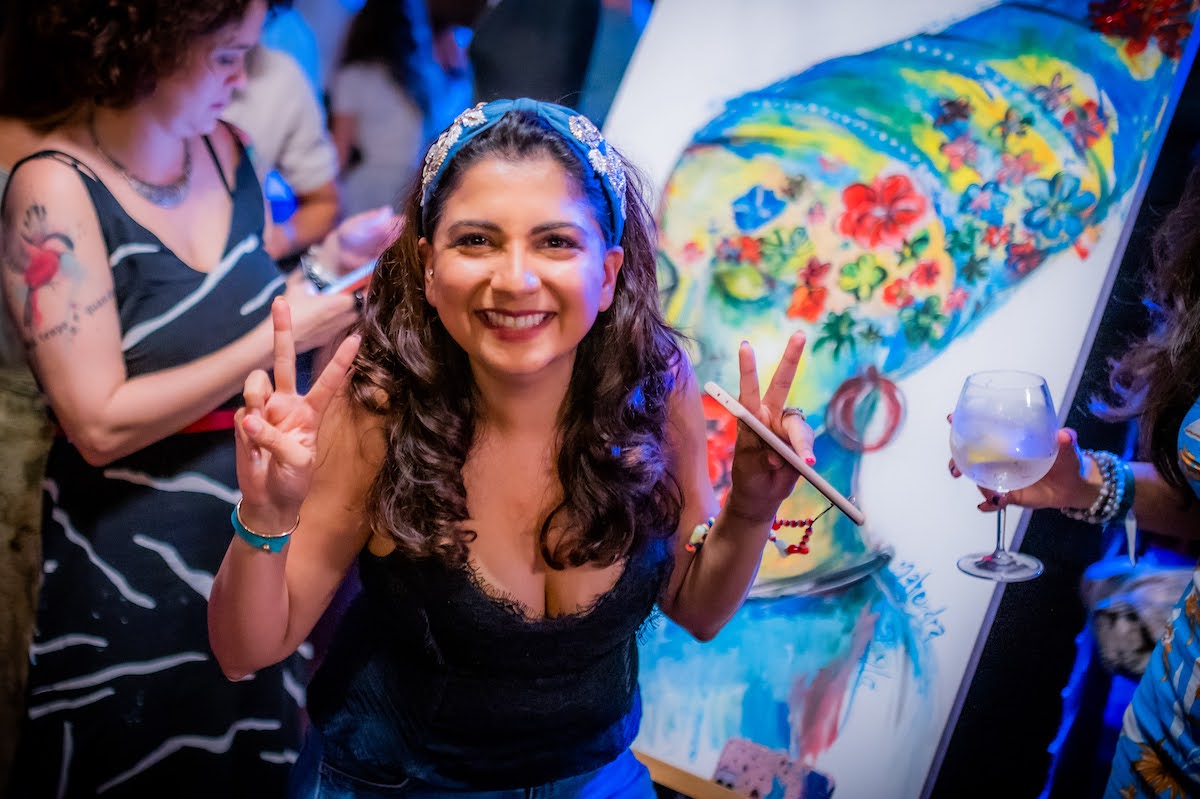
908, 631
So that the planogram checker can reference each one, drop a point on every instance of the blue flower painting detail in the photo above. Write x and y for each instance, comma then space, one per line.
1059, 207
986, 202
756, 208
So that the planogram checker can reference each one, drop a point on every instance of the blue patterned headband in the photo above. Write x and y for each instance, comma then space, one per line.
576, 129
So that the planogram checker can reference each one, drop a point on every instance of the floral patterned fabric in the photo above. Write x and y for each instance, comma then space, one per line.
1158, 753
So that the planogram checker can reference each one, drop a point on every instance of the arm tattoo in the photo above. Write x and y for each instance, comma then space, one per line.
43, 256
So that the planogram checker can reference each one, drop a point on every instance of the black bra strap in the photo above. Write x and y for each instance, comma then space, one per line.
217, 164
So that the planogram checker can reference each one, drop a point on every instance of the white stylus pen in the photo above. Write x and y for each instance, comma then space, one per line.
785, 451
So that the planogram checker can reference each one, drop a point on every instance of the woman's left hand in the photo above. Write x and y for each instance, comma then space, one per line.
359, 239
761, 479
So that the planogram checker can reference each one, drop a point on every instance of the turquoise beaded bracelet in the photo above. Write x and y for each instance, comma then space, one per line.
267, 543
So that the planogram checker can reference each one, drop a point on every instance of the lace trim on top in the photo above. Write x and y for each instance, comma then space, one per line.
514, 607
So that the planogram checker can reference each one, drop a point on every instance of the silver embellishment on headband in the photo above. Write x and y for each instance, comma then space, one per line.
470, 118
606, 162
583, 129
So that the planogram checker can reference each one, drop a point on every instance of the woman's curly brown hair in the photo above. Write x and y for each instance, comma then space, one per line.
63, 55
618, 490
1158, 379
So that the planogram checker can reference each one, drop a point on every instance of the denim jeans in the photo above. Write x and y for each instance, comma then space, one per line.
314, 778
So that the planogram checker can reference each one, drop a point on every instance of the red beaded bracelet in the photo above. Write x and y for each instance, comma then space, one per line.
700, 533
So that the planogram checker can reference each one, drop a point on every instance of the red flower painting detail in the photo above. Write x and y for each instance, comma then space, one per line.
1085, 123
1139, 21
740, 249
996, 236
807, 303
722, 435
1024, 257
956, 299
814, 271
926, 273
897, 293
880, 213
960, 152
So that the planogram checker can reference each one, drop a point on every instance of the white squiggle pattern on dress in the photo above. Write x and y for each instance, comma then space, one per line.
115, 577
124, 670
287, 756
305, 650
143, 329
192, 482
126, 250
200, 581
215, 745
293, 687
64, 641
256, 302
68, 753
37, 711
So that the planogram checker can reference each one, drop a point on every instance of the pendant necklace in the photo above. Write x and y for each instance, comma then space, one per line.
164, 195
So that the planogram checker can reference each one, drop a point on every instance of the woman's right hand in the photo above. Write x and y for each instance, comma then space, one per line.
277, 430
1064, 486
316, 318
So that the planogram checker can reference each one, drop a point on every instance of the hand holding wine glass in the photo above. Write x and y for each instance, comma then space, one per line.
1066, 485
1004, 436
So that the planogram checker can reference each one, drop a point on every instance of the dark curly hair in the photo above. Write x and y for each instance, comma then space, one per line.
618, 490
1157, 380
60, 56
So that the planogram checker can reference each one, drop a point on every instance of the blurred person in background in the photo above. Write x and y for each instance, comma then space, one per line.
286, 128
135, 273
25, 435
388, 100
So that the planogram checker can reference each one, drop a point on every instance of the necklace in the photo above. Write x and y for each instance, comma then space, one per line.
164, 195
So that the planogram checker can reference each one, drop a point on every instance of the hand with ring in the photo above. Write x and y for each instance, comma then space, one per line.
760, 478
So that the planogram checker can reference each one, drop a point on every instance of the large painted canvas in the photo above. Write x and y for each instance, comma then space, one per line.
926, 189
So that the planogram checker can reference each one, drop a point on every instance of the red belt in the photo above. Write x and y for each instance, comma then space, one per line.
208, 423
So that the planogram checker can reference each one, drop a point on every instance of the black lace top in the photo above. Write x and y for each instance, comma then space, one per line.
432, 677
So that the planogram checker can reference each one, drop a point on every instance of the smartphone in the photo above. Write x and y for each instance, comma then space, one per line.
785, 451
351, 281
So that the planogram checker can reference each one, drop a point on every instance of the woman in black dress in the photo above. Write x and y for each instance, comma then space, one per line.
135, 271
518, 467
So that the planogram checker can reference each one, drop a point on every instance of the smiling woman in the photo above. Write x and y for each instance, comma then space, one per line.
500, 274
516, 464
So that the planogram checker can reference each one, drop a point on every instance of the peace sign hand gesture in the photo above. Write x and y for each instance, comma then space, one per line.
277, 430
761, 479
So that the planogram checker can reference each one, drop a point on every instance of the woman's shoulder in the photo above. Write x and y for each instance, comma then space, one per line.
49, 179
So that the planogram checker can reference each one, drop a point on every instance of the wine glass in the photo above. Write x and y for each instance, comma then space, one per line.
1003, 436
